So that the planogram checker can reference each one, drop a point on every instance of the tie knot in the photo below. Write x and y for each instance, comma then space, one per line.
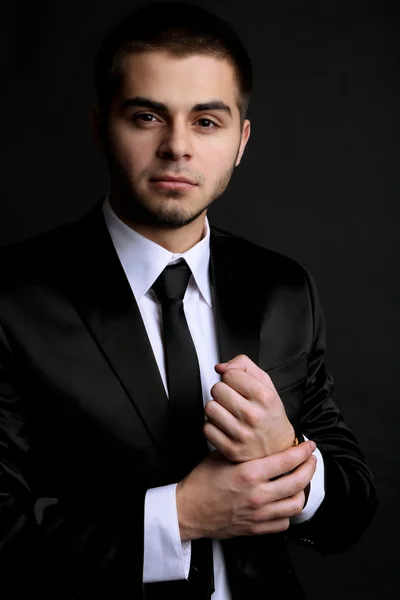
171, 284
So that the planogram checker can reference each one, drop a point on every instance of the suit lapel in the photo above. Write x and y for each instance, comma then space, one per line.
237, 308
106, 304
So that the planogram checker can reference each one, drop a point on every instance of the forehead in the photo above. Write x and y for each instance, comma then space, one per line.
176, 81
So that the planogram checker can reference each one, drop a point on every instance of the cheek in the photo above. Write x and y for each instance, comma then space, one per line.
220, 155
128, 149
216, 164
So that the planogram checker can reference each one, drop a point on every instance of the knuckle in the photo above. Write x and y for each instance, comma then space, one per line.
255, 501
228, 376
298, 483
262, 393
209, 431
285, 524
306, 451
244, 435
217, 388
210, 408
298, 504
255, 529
232, 453
251, 415
248, 475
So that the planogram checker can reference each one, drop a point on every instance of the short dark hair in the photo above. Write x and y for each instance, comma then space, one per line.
181, 28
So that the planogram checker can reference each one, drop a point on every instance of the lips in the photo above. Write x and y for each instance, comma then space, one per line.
174, 179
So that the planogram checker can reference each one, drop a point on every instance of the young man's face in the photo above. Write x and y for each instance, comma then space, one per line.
157, 128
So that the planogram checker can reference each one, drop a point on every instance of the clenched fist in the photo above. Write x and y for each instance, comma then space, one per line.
246, 418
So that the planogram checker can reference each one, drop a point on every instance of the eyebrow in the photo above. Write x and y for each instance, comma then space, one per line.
153, 105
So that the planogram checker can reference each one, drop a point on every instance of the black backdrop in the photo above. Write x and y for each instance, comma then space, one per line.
319, 182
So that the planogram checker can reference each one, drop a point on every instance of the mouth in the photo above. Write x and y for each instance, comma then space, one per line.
173, 183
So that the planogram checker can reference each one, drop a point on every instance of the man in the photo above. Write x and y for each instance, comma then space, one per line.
122, 333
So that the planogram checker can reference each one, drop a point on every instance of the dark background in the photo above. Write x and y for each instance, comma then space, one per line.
319, 182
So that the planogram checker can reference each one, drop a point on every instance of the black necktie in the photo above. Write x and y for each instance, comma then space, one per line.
187, 413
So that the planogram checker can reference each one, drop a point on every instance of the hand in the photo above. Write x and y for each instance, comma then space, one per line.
220, 499
246, 418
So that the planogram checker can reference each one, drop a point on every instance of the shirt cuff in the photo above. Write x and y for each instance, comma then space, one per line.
317, 491
166, 557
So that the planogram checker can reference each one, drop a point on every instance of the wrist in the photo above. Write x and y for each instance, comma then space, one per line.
188, 528
286, 439
293, 439
297, 439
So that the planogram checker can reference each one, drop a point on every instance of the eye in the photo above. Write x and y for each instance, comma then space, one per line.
142, 117
208, 123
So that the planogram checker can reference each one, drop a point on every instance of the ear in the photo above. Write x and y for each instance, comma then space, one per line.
97, 126
243, 141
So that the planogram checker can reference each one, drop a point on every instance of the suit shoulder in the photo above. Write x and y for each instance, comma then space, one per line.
258, 258
30, 259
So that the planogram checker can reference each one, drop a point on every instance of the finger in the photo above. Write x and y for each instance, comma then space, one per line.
284, 508
277, 511
268, 526
241, 361
283, 462
220, 440
229, 398
244, 363
246, 385
223, 418
291, 484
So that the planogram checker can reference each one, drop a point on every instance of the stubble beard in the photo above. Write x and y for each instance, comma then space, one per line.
178, 214
132, 207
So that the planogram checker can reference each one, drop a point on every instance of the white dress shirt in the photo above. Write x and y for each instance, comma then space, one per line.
166, 558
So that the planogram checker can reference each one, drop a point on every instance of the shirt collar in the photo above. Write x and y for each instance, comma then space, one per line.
143, 260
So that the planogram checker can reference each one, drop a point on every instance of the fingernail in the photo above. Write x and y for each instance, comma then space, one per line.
313, 445
314, 457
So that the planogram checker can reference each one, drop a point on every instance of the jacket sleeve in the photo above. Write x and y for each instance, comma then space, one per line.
350, 496
58, 546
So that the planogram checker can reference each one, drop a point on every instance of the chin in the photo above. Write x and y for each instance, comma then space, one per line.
177, 217
172, 209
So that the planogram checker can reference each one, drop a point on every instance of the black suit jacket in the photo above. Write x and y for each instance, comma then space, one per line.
83, 422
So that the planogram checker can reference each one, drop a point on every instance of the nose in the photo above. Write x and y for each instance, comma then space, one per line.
176, 143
